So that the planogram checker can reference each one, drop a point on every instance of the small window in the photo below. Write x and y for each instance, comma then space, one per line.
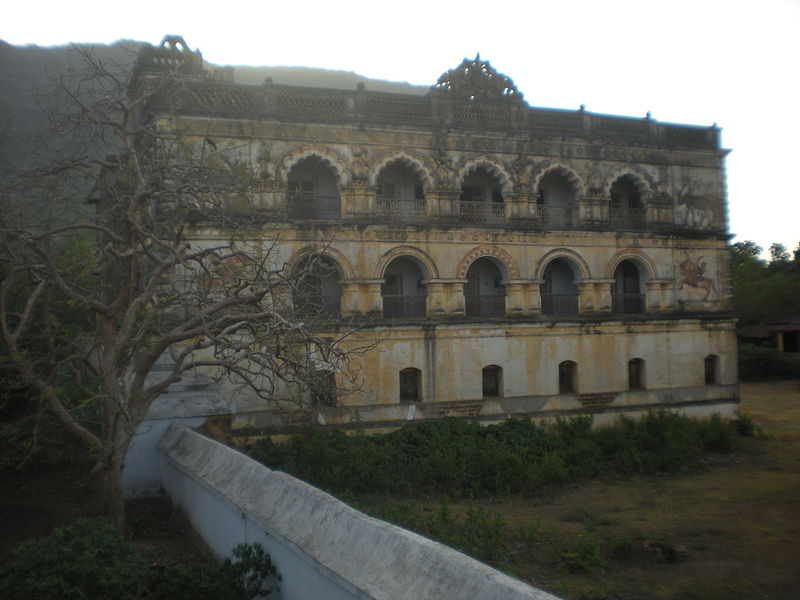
410, 385
491, 377
636, 374
712, 369
567, 375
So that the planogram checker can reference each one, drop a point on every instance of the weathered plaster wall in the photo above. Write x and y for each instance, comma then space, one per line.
321, 547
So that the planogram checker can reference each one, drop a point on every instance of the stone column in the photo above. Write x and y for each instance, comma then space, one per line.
436, 304
602, 293
372, 304
659, 296
351, 299
515, 297
534, 298
455, 297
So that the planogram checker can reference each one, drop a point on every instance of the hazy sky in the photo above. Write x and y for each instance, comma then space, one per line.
731, 62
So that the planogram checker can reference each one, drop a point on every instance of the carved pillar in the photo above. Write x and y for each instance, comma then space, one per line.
436, 303
534, 297
372, 304
454, 292
362, 200
515, 297
351, 299
659, 296
595, 296
443, 204
592, 211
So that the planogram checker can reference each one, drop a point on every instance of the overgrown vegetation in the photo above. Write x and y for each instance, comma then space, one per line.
91, 559
757, 363
460, 459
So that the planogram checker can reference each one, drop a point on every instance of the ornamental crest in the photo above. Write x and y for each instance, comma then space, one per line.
476, 80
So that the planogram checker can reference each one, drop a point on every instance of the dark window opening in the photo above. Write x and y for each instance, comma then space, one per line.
636, 374
567, 372
491, 377
711, 368
410, 385
323, 388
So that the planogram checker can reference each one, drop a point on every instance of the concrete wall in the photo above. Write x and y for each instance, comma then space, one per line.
322, 547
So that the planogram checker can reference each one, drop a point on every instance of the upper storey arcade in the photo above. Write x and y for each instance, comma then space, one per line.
468, 152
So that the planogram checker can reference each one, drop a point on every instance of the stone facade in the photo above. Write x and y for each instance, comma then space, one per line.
506, 260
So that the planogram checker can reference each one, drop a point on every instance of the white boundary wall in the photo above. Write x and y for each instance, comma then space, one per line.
322, 548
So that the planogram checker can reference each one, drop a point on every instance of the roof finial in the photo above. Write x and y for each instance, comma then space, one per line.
477, 57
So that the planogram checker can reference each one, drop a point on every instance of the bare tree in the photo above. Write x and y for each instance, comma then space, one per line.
102, 275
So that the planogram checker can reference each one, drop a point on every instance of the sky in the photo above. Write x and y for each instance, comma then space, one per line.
735, 63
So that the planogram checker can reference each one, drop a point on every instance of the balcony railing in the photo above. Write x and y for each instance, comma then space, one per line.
400, 210
480, 305
560, 305
319, 306
307, 206
627, 218
628, 304
555, 217
403, 306
482, 213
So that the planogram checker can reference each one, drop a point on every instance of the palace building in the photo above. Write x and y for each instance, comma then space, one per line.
504, 260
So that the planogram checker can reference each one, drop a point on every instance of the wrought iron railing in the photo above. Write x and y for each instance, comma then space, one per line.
560, 304
395, 306
482, 213
402, 210
485, 305
628, 304
312, 206
319, 306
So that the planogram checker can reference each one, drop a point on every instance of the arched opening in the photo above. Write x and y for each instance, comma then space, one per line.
410, 385
567, 377
712, 369
636, 374
627, 210
312, 191
555, 200
484, 292
560, 289
318, 292
492, 381
403, 290
400, 196
481, 199
627, 292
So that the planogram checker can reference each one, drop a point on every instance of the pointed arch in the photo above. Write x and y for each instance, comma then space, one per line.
493, 167
500, 255
563, 169
340, 171
567, 254
638, 179
413, 162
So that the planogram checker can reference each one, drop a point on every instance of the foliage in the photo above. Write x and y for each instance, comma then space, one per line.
457, 458
764, 289
757, 363
579, 554
91, 559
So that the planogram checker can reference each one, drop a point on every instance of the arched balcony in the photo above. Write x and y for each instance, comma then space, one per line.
481, 201
400, 196
484, 292
627, 292
318, 292
627, 210
403, 291
312, 191
555, 201
560, 288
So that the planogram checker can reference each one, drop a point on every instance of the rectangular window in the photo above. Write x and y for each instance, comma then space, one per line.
409, 385
491, 382
636, 374
566, 377
711, 365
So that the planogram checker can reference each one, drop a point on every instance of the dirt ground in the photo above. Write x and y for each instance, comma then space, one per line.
738, 520
735, 524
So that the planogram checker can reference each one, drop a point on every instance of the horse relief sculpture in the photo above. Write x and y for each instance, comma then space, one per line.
693, 276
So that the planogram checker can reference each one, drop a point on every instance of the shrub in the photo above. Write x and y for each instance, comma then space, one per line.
582, 553
91, 559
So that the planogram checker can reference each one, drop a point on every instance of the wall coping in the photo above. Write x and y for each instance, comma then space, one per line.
370, 557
